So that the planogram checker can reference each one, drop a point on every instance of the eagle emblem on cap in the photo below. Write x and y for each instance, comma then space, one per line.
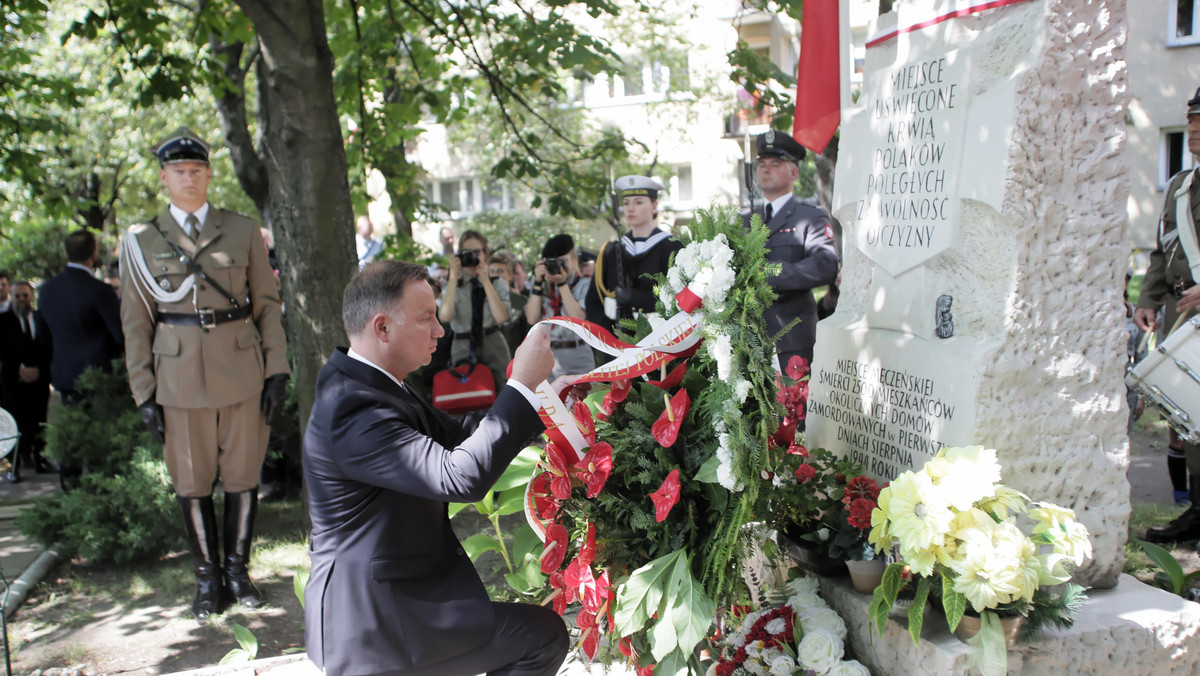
630, 181
770, 137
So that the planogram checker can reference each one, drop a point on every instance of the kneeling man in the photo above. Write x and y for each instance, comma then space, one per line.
392, 590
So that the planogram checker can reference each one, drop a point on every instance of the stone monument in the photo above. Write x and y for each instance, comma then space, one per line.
981, 186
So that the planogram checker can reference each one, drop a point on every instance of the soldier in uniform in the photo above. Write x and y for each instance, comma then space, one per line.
620, 288
207, 363
1170, 284
801, 240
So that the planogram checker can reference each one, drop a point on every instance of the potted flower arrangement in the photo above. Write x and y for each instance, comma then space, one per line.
645, 530
793, 634
954, 519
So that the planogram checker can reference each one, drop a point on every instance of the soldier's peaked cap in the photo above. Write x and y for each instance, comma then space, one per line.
181, 145
639, 185
1194, 103
781, 145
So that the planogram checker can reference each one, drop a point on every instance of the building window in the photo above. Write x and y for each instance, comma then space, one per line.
1183, 22
495, 196
448, 197
1174, 156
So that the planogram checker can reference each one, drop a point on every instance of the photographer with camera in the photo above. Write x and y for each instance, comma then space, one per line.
476, 308
558, 291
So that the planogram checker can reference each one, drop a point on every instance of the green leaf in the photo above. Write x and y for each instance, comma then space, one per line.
246, 639
480, 543
527, 578
487, 505
877, 611
916, 614
1163, 559
673, 664
893, 580
235, 656
708, 471
511, 501
692, 611
456, 507
990, 654
520, 470
525, 541
640, 597
299, 582
954, 603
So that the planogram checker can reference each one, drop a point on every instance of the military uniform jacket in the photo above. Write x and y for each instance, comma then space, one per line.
391, 588
184, 365
801, 241
638, 269
1168, 263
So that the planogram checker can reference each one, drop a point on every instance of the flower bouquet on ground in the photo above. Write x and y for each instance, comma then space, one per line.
645, 530
795, 633
954, 519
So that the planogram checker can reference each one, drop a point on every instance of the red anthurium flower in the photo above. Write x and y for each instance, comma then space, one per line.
595, 467
583, 418
587, 553
579, 576
589, 638
805, 472
797, 368
785, 434
562, 595
647, 670
666, 428
797, 449
604, 588
666, 496
556, 463
546, 504
674, 378
625, 646
556, 548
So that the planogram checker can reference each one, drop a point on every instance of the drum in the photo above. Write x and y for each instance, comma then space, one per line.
1169, 379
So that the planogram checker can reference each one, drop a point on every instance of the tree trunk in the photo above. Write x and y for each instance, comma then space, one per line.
308, 195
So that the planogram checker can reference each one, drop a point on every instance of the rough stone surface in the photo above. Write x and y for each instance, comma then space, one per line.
1132, 629
1037, 268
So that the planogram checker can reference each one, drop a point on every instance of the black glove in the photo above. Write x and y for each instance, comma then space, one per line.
273, 394
152, 418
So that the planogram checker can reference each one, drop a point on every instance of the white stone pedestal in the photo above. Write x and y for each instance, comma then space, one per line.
1131, 630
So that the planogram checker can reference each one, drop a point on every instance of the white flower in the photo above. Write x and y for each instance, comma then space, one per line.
778, 481
819, 650
776, 626
736, 638
802, 585
805, 600
712, 669
782, 665
850, 668
742, 390
720, 348
755, 649
813, 619
656, 320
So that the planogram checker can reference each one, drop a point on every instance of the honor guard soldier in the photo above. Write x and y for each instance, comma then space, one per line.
800, 240
623, 281
1170, 283
207, 363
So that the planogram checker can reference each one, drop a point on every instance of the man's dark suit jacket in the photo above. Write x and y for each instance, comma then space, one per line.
391, 588
16, 349
84, 316
802, 240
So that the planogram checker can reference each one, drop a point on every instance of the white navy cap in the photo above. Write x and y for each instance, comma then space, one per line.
639, 185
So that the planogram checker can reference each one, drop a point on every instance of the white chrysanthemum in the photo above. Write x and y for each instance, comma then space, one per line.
736, 638
803, 585
755, 649
1005, 500
819, 650
782, 665
804, 601
986, 573
850, 668
776, 626
720, 348
813, 619
741, 390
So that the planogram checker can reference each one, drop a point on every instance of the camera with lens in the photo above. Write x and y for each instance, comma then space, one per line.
553, 266
469, 259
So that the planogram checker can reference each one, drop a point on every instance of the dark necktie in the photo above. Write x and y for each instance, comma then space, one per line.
193, 225
770, 211
478, 298
26, 328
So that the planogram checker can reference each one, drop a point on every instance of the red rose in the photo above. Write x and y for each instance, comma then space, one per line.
805, 472
860, 513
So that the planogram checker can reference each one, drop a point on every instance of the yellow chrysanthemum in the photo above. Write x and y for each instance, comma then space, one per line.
921, 561
983, 577
1076, 544
1005, 500
880, 534
919, 518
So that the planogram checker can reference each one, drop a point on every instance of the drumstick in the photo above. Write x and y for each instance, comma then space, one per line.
1146, 336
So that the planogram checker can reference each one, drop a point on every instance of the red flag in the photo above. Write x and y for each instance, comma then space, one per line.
818, 86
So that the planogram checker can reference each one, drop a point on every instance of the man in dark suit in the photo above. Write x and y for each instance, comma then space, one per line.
25, 374
801, 239
391, 590
84, 316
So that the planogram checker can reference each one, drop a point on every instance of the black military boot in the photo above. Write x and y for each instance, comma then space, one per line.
239, 534
200, 524
1186, 526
